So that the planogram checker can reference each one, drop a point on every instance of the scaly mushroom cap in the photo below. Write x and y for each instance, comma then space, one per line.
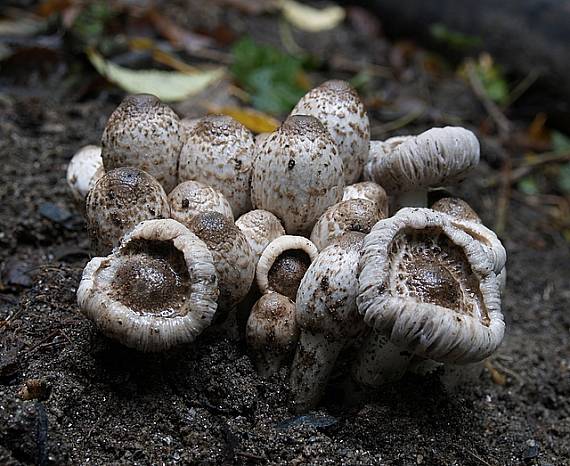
379, 150
83, 171
297, 173
233, 257
456, 208
338, 107
283, 264
430, 287
143, 133
436, 157
121, 199
260, 227
192, 197
352, 215
272, 332
157, 290
370, 191
218, 152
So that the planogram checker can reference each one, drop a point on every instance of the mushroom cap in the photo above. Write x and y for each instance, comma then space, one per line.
352, 215
157, 290
233, 257
456, 208
84, 169
218, 152
326, 300
283, 263
370, 191
143, 133
338, 107
297, 173
260, 227
192, 197
436, 157
430, 287
121, 199
378, 150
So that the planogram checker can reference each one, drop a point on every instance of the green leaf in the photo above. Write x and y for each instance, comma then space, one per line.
560, 142
269, 75
169, 86
528, 185
453, 38
564, 178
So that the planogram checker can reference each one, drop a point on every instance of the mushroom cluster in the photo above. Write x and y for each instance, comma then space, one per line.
324, 235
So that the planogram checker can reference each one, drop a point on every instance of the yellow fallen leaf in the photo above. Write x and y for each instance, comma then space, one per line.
312, 19
254, 120
169, 86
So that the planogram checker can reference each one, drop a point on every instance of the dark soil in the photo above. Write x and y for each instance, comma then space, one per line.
96, 402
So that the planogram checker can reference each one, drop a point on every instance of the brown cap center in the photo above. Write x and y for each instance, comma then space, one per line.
287, 271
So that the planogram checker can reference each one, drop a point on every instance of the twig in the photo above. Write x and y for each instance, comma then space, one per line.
521, 88
477, 457
398, 123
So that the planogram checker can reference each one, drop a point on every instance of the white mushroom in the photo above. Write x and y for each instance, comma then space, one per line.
192, 197
157, 290
283, 264
297, 173
429, 288
352, 215
327, 316
143, 133
260, 227
370, 191
233, 257
338, 107
120, 199
83, 171
272, 332
218, 152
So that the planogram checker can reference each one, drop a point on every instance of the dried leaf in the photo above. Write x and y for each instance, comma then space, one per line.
312, 19
169, 86
254, 120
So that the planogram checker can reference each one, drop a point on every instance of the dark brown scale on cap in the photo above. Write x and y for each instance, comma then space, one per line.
305, 126
213, 228
287, 271
457, 208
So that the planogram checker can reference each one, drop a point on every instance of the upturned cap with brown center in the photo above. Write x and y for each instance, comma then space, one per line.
143, 133
157, 290
430, 287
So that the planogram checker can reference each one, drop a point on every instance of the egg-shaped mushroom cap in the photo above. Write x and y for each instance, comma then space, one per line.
297, 173
338, 107
436, 157
121, 199
456, 208
370, 191
192, 197
326, 299
260, 227
143, 133
157, 290
233, 258
283, 264
83, 171
352, 215
218, 152
430, 287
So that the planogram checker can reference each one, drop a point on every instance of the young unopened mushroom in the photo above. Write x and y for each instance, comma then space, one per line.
143, 133
370, 191
409, 166
338, 107
352, 215
456, 208
260, 227
429, 288
233, 257
297, 173
327, 316
218, 152
120, 199
283, 264
83, 171
192, 197
157, 290
272, 332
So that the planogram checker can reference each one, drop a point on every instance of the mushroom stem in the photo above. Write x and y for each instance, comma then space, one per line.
380, 361
416, 198
314, 361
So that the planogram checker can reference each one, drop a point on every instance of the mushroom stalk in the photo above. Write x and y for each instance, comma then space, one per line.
415, 198
380, 361
314, 360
